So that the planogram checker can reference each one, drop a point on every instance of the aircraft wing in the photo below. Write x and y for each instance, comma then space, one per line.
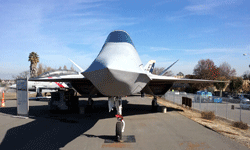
60, 78
157, 78
159, 85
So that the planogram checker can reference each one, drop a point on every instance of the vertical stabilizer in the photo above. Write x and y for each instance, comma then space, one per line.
149, 67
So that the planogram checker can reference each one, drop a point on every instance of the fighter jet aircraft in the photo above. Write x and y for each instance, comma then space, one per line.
117, 72
44, 87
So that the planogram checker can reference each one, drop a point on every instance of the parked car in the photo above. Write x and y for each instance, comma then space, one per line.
245, 104
183, 93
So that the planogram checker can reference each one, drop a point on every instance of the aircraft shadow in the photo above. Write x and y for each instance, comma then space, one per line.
55, 130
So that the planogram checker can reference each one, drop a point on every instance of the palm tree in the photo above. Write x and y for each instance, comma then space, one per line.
34, 59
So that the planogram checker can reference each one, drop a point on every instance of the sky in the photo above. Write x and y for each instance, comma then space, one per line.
165, 30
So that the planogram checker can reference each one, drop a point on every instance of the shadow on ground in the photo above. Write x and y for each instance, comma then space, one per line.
55, 130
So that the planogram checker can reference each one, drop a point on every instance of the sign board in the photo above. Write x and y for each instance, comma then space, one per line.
22, 97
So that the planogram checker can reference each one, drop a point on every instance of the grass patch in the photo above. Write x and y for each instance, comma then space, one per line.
240, 125
208, 115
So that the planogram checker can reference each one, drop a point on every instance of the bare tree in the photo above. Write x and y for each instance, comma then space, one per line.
64, 67
40, 69
205, 69
226, 70
159, 70
72, 68
21, 75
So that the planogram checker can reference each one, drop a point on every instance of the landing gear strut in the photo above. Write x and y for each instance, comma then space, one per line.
154, 104
120, 125
90, 101
89, 107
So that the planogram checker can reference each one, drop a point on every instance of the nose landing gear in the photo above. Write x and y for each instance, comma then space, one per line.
120, 125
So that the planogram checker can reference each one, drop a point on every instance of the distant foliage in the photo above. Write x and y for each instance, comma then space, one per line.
205, 69
226, 70
157, 71
220, 85
246, 75
180, 74
64, 67
72, 68
235, 84
22, 75
41, 69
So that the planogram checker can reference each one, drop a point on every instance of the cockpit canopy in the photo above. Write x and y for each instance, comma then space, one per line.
119, 36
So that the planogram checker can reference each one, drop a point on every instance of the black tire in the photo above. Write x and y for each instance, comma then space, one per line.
119, 131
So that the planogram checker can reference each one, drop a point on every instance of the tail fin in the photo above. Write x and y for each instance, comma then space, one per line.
164, 71
77, 65
149, 67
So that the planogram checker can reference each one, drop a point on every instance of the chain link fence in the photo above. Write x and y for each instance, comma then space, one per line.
232, 109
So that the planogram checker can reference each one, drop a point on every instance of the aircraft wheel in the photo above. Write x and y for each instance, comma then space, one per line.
119, 131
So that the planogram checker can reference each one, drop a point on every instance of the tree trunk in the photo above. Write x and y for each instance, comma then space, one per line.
33, 70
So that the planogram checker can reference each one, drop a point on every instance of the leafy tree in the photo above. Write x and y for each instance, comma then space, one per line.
226, 70
220, 85
205, 69
246, 86
236, 84
34, 59
180, 74
246, 75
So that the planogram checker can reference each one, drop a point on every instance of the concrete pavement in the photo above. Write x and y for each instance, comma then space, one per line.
44, 130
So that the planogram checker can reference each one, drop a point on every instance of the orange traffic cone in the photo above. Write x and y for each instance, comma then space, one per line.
3, 103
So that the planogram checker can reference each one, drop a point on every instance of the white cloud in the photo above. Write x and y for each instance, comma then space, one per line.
159, 49
208, 6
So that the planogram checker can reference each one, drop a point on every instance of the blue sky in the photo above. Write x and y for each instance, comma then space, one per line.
164, 30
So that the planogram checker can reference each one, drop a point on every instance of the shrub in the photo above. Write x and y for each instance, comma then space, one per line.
208, 115
241, 125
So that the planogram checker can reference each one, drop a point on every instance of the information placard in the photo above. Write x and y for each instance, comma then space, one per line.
22, 97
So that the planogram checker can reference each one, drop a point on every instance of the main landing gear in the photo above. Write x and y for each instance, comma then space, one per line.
154, 104
89, 107
120, 125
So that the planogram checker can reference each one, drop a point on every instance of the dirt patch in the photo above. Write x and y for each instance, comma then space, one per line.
223, 127
12, 95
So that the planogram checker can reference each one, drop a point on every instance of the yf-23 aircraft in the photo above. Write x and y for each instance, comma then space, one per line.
117, 72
